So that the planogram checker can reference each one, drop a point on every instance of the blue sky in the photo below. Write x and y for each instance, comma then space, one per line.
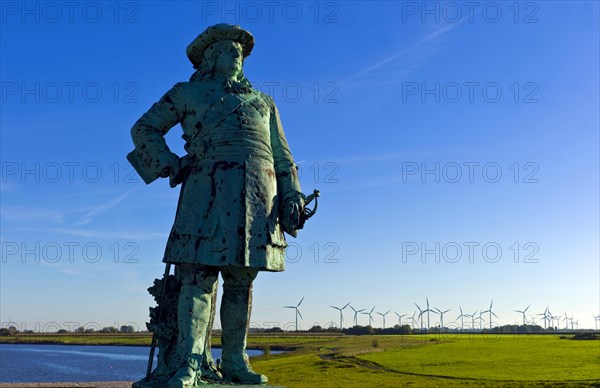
422, 128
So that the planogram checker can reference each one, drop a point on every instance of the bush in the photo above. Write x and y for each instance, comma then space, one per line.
585, 336
375, 343
127, 329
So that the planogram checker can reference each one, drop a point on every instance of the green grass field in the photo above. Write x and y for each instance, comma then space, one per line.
449, 360
394, 361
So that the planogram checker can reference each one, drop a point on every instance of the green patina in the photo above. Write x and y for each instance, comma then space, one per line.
239, 193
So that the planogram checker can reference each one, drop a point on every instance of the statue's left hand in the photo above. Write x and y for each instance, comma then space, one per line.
291, 218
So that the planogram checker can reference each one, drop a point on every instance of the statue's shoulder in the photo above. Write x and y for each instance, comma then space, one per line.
192, 90
267, 99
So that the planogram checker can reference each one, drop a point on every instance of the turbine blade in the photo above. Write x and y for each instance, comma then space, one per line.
299, 303
299, 314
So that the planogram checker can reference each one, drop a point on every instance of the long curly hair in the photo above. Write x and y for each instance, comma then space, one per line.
205, 71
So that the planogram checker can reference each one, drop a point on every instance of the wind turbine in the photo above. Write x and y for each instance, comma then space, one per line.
491, 313
356, 314
383, 316
557, 318
420, 315
566, 320
472, 319
523, 312
297, 311
545, 315
596, 319
428, 310
462, 319
399, 318
370, 316
442, 316
414, 322
341, 315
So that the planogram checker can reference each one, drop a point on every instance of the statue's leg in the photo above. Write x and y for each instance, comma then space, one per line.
193, 317
209, 369
235, 319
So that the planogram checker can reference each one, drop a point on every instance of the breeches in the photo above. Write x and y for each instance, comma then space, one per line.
204, 277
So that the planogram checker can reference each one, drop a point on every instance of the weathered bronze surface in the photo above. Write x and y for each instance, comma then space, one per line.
239, 194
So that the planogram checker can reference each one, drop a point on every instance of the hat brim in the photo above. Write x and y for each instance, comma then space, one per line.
195, 50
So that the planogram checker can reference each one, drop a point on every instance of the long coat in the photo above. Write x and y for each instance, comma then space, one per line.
242, 174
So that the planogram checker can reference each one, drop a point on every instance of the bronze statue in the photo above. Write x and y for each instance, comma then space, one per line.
239, 193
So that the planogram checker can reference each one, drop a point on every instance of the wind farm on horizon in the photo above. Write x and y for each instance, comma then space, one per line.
481, 320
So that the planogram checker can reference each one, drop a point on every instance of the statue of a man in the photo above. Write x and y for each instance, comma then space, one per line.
239, 193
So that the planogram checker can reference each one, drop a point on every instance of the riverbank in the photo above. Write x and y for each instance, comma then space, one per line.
437, 360
102, 384
283, 342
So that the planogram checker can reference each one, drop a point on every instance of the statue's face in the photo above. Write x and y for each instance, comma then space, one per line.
229, 58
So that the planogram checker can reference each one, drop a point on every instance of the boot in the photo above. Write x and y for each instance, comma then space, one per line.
235, 318
193, 316
187, 376
210, 371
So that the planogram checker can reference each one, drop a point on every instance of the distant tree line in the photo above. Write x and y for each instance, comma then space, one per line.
12, 330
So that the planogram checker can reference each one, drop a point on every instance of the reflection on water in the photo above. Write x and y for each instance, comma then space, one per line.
50, 363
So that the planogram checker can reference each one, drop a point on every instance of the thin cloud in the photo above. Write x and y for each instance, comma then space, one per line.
91, 215
19, 214
114, 235
426, 40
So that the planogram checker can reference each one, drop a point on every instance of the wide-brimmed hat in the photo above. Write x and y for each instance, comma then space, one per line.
223, 31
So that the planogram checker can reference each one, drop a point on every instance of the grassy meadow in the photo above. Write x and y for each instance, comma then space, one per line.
322, 360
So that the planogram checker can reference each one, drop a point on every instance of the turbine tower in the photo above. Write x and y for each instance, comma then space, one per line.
472, 316
383, 316
442, 316
491, 313
545, 315
356, 314
297, 311
462, 319
523, 313
341, 315
428, 310
420, 315
557, 318
370, 316
399, 318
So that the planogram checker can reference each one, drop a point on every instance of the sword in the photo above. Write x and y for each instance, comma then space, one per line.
306, 212
158, 316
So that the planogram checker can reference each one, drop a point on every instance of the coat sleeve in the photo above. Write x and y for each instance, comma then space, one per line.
286, 171
152, 158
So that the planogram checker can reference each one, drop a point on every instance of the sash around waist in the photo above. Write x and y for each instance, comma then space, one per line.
229, 161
